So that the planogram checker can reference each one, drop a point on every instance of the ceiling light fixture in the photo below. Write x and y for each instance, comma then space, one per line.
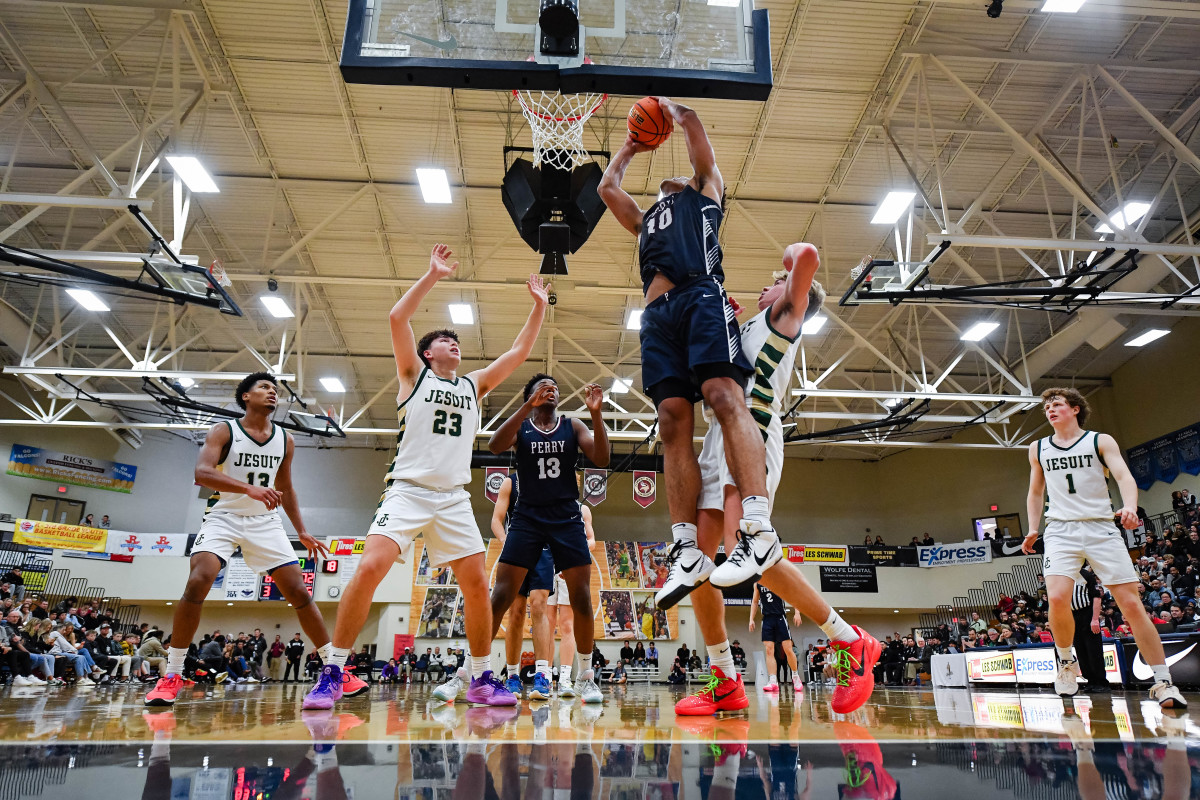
435, 187
89, 300
333, 385
978, 331
633, 320
186, 382
725, 3
1062, 6
277, 306
1132, 212
892, 208
462, 314
1147, 337
621, 385
814, 324
193, 174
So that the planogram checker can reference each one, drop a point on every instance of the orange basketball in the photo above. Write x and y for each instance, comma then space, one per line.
648, 124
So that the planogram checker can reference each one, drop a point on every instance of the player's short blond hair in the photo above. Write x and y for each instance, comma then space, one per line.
816, 293
1073, 398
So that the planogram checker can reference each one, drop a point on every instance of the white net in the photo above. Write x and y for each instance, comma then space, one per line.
862, 266
557, 121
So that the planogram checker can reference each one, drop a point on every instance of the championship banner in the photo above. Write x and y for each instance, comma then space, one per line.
825, 554
241, 582
595, 486
146, 544
51, 465
849, 579
1163, 458
644, 487
1011, 548
59, 536
951, 555
345, 547
493, 480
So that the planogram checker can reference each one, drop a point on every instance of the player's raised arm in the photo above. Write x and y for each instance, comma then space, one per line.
495, 373
1036, 499
503, 498
619, 202
1126, 484
216, 445
700, 150
404, 344
291, 503
594, 445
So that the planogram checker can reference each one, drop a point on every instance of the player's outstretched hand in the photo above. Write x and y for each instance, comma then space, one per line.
440, 265
543, 395
1128, 518
593, 397
1030, 541
312, 545
265, 495
539, 289
736, 306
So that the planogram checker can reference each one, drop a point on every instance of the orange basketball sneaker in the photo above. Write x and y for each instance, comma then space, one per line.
165, 691
718, 694
853, 667
352, 685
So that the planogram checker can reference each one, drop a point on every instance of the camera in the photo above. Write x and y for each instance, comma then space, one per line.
272, 285
552, 298
995, 8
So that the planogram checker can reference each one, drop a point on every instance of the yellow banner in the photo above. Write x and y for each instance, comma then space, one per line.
825, 555
64, 537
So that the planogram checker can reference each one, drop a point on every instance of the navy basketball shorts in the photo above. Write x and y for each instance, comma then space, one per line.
689, 335
541, 577
534, 528
775, 629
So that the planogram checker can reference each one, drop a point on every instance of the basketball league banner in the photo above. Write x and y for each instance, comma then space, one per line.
59, 536
595, 486
146, 544
51, 465
493, 480
1162, 459
644, 487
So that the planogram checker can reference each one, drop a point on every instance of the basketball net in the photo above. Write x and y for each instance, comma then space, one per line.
217, 270
557, 121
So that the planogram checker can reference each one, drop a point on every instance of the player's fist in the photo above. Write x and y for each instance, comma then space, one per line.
440, 265
1030, 541
1128, 518
736, 306
546, 393
267, 496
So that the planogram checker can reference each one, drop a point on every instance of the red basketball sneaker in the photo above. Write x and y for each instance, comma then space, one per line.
853, 665
352, 685
865, 775
718, 694
165, 691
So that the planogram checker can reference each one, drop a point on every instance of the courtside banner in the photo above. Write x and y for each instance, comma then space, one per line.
1183, 657
818, 554
1037, 664
59, 536
52, 465
493, 480
345, 547
951, 555
849, 579
146, 544
991, 667
595, 486
1011, 548
883, 556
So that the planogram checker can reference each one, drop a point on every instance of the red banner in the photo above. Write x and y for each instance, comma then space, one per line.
643, 487
402, 641
595, 485
493, 480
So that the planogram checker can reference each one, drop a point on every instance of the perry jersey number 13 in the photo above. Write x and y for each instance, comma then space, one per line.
1075, 479
438, 423
250, 461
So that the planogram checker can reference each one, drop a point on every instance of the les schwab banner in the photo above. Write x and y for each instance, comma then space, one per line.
1027, 665
62, 537
802, 554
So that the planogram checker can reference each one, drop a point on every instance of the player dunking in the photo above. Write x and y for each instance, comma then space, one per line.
771, 339
691, 349
547, 511
439, 416
248, 462
1069, 466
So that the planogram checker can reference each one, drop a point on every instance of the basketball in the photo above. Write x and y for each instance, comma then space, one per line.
648, 124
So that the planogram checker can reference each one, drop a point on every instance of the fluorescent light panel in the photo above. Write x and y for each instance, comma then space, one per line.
633, 322
1126, 216
186, 382
89, 300
621, 385
978, 331
192, 172
333, 385
892, 208
814, 324
462, 314
435, 187
1062, 6
1147, 337
276, 305
725, 3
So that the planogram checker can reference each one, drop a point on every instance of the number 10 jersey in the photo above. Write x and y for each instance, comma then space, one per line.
546, 465
438, 423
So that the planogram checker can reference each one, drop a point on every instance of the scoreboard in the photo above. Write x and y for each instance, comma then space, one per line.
269, 591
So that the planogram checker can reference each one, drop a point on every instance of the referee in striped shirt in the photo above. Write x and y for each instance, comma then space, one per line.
1085, 606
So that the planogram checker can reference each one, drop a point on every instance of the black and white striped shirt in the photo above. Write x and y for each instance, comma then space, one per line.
1086, 589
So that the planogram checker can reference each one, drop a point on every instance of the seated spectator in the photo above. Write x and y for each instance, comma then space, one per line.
14, 654
60, 646
867, 541
639, 655
928, 540
1006, 636
971, 641
313, 665
39, 651
677, 675
618, 674
390, 672
626, 652
977, 624
153, 653
364, 664
694, 663
652, 655
879, 542
450, 663
738, 654
1162, 621
212, 657
915, 542
598, 659
42, 609
421, 668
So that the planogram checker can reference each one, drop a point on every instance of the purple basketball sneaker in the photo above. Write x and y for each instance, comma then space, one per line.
486, 690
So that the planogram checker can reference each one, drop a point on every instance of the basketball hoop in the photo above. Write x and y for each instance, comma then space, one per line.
557, 121
217, 270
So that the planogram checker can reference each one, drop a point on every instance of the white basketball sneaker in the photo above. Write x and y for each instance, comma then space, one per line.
586, 688
449, 691
689, 569
756, 552
1066, 682
1167, 695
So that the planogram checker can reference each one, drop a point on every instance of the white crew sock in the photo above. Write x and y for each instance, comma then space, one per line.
175, 659
838, 630
337, 656
514, 670
585, 662
325, 651
684, 532
1161, 672
564, 675
480, 666
754, 508
543, 667
721, 657
725, 774
1064, 654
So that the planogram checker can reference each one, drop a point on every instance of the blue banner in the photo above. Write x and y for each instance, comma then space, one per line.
1162, 459
51, 465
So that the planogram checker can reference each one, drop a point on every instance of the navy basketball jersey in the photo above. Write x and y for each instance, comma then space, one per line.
679, 239
770, 603
546, 464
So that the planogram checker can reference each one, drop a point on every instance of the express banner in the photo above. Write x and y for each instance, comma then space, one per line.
52, 465
951, 555
61, 537
883, 556
1163, 458
1011, 548
146, 544
863, 580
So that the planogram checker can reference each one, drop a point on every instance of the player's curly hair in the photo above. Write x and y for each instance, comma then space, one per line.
427, 339
1073, 398
247, 383
534, 381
